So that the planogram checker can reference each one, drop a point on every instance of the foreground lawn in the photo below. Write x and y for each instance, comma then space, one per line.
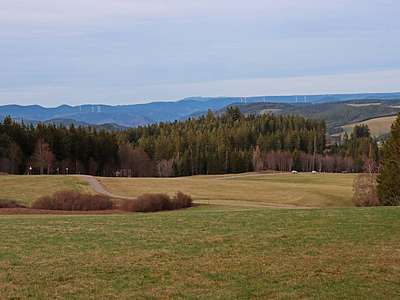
304, 189
203, 253
26, 189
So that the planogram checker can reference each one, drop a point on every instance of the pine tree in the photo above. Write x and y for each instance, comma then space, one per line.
389, 178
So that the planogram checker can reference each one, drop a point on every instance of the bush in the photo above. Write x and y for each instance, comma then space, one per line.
147, 203
73, 201
10, 204
157, 202
182, 200
365, 191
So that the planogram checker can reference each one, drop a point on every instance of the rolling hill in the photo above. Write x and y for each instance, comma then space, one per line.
336, 114
143, 114
378, 126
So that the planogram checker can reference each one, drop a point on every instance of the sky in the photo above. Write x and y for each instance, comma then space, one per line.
137, 51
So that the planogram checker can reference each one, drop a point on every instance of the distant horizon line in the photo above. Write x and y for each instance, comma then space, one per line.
213, 98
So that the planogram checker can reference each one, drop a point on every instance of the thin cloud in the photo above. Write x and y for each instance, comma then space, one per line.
123, 46
27, 11
374, 82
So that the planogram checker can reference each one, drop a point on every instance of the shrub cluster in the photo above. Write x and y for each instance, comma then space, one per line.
157, 202
73, 201
10, 204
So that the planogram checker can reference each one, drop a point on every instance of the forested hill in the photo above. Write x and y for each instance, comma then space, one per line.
335, 114
210, 144
143, 114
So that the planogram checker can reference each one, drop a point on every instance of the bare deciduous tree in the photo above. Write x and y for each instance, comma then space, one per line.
365, 190
165, 168
135, 162
42, 158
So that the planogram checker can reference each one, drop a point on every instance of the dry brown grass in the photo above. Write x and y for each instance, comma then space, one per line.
26, 189
377, 126
249, 190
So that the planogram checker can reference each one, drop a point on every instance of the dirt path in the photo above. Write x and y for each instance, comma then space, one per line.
99, 188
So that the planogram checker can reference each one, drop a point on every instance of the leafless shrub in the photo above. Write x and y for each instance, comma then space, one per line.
73, 201
148, 203
157, 202
182, 200
365, 191
10, 204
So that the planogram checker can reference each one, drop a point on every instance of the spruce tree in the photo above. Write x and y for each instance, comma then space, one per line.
389, 177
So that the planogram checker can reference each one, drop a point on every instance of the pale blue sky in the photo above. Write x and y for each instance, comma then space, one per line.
131, 51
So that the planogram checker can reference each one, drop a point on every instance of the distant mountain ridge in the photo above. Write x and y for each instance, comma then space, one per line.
143, 114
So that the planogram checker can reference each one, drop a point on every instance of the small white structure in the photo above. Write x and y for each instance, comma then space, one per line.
294, 172
314, 172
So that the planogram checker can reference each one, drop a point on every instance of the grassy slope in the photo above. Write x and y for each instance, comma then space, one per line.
203, 253
26, 189
321, 190
377, 126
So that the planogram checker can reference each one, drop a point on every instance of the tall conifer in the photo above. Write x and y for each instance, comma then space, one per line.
389, 177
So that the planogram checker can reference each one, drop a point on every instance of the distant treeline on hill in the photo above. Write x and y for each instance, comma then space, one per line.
210, 144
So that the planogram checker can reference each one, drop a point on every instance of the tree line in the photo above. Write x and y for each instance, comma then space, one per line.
210, 144
51, 149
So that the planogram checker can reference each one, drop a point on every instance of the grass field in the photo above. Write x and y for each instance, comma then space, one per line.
236, 249
26, 189
306, 190
377, 126
203, 253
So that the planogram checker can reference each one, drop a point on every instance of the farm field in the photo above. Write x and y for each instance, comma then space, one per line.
377, 126
251, 190
26, 189
203, 253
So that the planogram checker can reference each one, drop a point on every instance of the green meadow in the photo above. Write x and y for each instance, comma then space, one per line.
203, 253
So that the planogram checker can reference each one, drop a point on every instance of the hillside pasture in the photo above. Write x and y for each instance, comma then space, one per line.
377, 126
245, 190
26, 189
249, 190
